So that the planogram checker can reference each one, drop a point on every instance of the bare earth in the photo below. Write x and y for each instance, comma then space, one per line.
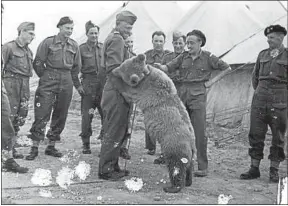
225, 165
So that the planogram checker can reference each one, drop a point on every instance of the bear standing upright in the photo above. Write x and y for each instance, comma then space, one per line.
165, 117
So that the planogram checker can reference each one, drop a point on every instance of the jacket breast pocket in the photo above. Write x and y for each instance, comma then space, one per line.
281, 69
56, 53
264, 67
88, 59
70, 55
18, 58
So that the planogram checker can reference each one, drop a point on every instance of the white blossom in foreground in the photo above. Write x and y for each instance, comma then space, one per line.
99, 198
41, 177
282, 191
223, 199
24, 141
82, 170
45, 193
134, 184
64, 177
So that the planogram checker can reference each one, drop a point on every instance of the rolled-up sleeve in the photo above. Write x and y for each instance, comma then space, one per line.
175, 63
114, 53
76, 68
217, 63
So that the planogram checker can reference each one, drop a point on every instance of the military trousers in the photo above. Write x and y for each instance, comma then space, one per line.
7, 129
195, 103
53, 95
18, 91
93, 88
115, 125
268, 108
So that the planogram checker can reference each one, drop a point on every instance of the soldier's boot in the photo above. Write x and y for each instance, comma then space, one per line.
124, 153
16, 154
113, 176
117, 169
11, 166
273, 174
86, 148
52, 151
151, 152
253, 172
33, 153
159, 160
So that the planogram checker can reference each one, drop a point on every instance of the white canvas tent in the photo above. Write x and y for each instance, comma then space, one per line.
151, 16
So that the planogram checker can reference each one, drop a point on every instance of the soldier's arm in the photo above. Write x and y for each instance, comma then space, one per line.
255, 74
114, 53
76, 68
41, 58
174, 64
6, 52
217, 64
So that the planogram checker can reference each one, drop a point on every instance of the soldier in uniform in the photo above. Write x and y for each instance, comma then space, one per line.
269, 104
93, 78
57, 63
195, 67
115, 107
153, 56
178, 42
17, 71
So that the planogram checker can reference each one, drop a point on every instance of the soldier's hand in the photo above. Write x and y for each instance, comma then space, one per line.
81, 90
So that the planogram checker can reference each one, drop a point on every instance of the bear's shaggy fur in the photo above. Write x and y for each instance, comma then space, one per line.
165, 117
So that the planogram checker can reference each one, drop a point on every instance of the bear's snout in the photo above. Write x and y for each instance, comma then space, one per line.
134, 80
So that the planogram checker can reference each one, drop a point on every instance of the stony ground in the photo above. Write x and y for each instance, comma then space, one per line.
226, 163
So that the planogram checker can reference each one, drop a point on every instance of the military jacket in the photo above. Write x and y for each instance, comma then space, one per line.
197, 70
17, 58
90, 57
268, 67
152, 56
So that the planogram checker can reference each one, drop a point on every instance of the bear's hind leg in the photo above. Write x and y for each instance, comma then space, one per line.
189, 175
177, 177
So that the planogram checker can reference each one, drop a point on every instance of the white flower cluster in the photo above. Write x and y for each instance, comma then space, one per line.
82, 170
134, 184
64, 177
41, 177
223, 199
24, 141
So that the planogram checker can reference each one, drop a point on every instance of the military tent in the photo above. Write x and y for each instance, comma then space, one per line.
152, 16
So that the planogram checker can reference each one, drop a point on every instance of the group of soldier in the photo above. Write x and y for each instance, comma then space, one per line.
59, 60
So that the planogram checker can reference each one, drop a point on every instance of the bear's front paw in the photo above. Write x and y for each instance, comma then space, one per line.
172, 189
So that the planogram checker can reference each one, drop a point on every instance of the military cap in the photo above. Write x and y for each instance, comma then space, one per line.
275, 28
90, 25
199, 34
177, 34
126, 16
64, 20
26, 26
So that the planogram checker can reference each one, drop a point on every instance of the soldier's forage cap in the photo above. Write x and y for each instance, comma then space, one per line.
126, 16
199, 34
90, 25
64, 20
177, 35
275, 28
26, 26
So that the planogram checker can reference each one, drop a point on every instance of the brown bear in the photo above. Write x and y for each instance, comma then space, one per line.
165, 117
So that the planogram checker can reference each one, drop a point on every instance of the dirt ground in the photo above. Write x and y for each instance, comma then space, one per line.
226, 163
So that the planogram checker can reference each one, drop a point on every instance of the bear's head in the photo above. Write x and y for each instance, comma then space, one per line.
133, 70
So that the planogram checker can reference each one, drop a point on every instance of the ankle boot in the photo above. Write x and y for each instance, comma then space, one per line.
273, 175
86, 148
11, 166
33, 153
52, 151
17, 155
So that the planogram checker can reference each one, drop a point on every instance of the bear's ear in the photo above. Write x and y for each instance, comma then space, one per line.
117, 72
141, 57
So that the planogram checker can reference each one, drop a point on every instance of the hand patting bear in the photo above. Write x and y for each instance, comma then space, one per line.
165, 117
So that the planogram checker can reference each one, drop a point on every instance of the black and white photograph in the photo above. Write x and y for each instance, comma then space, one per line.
144, 102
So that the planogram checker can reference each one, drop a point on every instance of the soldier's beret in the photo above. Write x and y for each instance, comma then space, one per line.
126, 16
90, 25
26, 26
177, 34
64, 20
275, 28
200, 34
